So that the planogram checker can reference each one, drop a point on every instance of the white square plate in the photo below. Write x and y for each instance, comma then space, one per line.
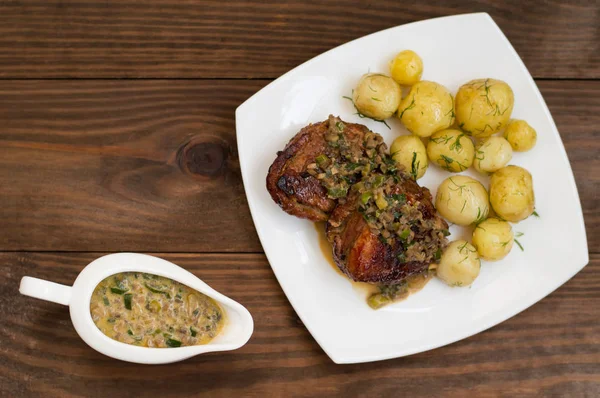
454, 50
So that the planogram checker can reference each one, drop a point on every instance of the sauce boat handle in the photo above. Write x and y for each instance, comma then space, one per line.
45, 290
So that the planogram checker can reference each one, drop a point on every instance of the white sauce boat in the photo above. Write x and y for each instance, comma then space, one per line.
236, 331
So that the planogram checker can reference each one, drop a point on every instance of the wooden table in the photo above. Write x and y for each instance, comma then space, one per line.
117, 133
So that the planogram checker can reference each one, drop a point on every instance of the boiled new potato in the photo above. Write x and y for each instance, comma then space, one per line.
462, 200
409, 152
406, 67
460, 264
483, 106
451, 149
492, 154
521, 136
427, 108
377, 96
493, 239
511, 193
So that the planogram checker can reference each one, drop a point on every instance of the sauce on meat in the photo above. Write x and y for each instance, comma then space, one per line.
411, 285
152, 311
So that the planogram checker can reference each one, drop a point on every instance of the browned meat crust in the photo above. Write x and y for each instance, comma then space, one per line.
362, 255
291, 186
331, 171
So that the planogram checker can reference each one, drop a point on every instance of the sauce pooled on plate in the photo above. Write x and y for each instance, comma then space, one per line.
152, 311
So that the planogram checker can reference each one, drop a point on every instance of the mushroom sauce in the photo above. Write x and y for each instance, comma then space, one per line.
152, 311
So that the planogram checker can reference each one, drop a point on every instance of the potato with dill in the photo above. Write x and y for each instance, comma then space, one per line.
521, 136
493, 239
377, 96
406, 67
460, 264
492, 154
462, 200
483, 106
428, 107
511, 193
451, 149
409, 152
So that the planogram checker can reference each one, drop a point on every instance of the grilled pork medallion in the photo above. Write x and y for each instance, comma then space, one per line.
320, 164
381, 223
386, 230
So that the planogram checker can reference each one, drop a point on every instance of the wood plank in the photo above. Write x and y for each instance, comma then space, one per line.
575, 107
140, 165
244, 39
118, 165
551, 349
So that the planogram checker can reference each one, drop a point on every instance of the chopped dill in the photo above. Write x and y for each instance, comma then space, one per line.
415, 166
518, 235
441, 140
485, 128
362, 116
480, 216
520, 245
409, 107
457, 145
448, 162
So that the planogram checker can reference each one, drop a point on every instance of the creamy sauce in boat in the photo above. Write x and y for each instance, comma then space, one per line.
414, 283
152, 311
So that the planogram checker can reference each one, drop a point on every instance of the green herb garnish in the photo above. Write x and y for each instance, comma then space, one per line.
363, 116
399, 197
338, 192
414, 166
192, 331
322, 161
105, 300
404, 234
409, 107
379, 180
520, 245
364, 198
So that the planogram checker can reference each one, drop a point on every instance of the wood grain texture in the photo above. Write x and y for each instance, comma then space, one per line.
551, 349
122, 165
152, 165
247, 39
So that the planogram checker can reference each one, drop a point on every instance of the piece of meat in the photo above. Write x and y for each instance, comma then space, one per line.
289, 182
364, 256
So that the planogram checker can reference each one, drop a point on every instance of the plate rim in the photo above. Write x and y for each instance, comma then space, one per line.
514, 310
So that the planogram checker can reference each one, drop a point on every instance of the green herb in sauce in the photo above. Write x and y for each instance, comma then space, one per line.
127, 300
